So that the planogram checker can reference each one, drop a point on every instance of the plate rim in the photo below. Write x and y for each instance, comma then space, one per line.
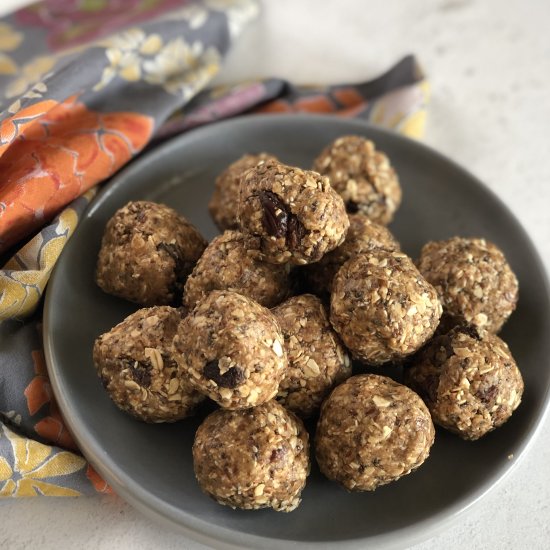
204, 531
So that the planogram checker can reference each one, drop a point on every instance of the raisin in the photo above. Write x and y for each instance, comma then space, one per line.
448, 347
487, 395
275, 215
431, 385
352, 207
141, 216
182, 268
140, 371
171, 249
229, 379
295, 233
279, 222
469, 330
277, 454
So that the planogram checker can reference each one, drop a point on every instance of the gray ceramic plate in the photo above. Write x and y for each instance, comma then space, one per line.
151, 466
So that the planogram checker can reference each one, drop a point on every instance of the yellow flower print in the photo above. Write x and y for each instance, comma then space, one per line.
7, 65
125, 53
30, 76
182, 68
415, 124
22, 289
33, 463
5, 470
9, 41
403, 109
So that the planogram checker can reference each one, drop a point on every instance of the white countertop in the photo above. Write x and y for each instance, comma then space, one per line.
489, 67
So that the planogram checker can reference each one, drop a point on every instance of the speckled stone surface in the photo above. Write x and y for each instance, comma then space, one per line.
488, 101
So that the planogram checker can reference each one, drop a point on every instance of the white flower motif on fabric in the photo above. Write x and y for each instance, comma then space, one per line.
126, 52
38, 90
238, 12
180, 68
14, 107
14, 417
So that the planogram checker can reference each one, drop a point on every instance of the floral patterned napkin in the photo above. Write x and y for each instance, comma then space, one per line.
85, 85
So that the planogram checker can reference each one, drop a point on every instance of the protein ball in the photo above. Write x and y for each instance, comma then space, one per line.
256, 458
317, 361
146, 254
372, 431
224, 204
363, 235
362, 176
471, 384
473, 279
232, 350
136, 366
295, 213
381, 306
228, 264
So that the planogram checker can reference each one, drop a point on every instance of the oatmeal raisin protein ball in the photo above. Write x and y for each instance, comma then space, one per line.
473, 279
362, 176
135, 363
470, 383
381, 306
232, 350
228, 264
223, 205
317, 360
295, 213
254, 458
372, 431
363, 235
146, 254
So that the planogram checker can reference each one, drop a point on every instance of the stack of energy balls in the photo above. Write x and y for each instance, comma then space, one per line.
265, 319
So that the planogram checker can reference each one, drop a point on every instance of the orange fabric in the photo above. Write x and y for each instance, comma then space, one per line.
314, 104
53, 429
276, 106
38, 392
20, 123
97, 481
53, 152
39, 362
348, 97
